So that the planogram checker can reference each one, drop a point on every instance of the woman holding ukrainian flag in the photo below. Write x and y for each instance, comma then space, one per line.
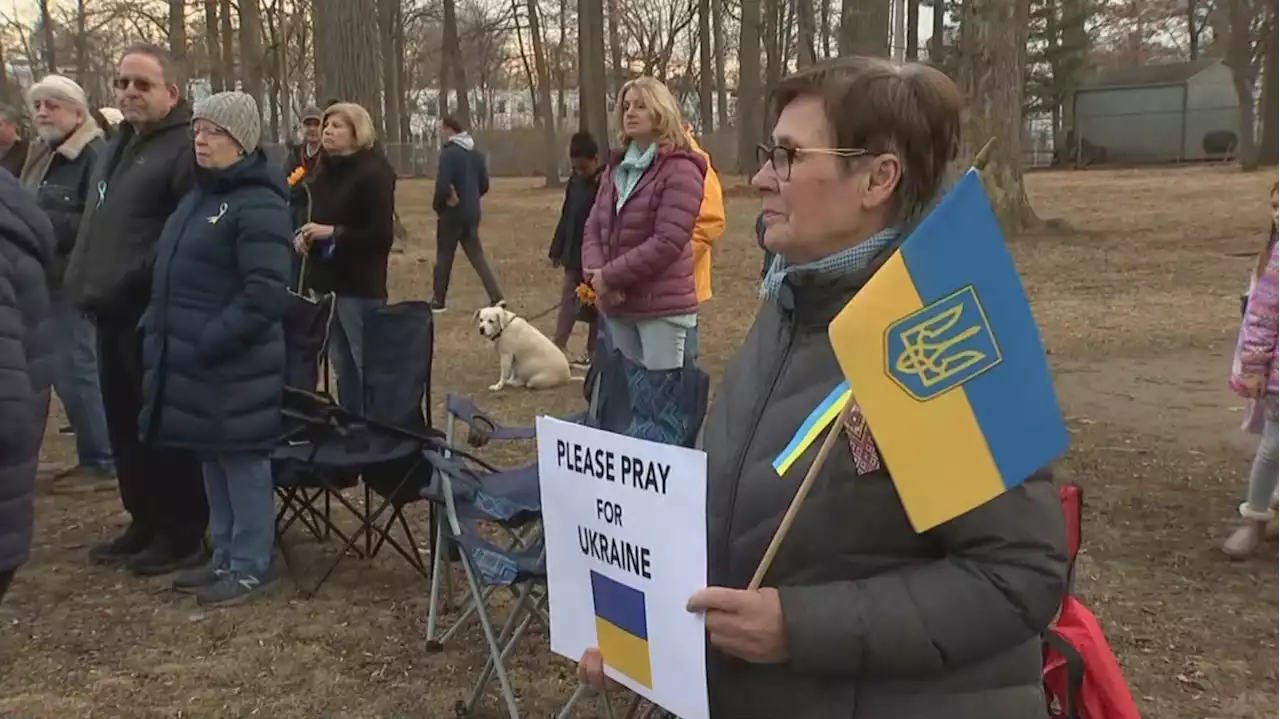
878, 605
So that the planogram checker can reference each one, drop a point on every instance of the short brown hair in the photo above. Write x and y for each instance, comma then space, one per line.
453, 123
162, 57
910, 110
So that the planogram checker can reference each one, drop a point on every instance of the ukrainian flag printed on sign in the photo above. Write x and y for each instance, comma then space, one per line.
622, 633
944, 359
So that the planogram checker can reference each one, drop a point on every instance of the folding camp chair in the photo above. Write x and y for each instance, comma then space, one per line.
332, 446
510, 500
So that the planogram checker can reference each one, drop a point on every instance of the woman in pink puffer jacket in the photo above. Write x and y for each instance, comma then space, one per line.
637, 251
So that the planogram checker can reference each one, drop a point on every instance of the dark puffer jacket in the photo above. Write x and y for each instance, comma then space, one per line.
646, 249
880, 622
26, 361
213, 340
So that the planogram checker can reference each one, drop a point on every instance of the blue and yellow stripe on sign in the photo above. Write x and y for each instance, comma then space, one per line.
944, 356
622, 632
821, 417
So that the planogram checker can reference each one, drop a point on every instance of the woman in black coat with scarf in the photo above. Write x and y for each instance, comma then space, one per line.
214, 341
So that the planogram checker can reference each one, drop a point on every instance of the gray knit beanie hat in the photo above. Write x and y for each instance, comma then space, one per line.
234, 112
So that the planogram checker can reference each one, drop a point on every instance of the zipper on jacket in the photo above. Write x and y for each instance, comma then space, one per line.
757, 414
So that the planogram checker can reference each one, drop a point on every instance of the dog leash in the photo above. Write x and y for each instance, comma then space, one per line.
543, 313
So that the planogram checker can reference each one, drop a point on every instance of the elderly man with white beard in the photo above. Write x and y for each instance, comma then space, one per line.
58, 171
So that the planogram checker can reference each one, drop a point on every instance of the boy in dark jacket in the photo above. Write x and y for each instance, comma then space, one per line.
26, 365
461, 180
566, 246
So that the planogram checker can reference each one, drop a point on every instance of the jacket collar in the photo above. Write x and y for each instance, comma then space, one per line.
815, 300
79, 139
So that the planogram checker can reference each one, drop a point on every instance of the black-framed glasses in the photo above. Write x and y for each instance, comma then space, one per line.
782, 157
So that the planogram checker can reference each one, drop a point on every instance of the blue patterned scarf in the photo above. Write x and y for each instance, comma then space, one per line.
844, 262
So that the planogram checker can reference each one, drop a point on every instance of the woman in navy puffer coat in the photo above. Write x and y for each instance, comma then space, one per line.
214, 341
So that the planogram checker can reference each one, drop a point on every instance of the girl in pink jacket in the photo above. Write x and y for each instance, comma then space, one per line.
1254, 377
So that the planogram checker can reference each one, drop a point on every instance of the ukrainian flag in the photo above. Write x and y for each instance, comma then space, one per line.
945, 361
622, 633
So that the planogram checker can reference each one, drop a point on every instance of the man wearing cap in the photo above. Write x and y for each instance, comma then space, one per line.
146, 171
58, 171
305, 153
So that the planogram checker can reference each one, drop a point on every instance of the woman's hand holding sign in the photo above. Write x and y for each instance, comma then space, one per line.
745, 623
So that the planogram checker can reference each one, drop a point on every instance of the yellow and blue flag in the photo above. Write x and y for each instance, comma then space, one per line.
622, 632
944, 359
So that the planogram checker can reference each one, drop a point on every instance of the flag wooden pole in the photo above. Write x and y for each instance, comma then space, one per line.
824, 451
790, 517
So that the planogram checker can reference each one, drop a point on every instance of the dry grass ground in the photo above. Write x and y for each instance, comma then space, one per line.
1138, 306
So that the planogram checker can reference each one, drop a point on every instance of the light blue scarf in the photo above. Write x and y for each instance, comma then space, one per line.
844, 262
628, 172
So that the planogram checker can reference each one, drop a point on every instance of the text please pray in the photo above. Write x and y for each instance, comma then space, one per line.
599, 463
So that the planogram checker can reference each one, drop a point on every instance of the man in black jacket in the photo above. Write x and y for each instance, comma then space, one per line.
461, 180
26, 365
58, 172
145, 173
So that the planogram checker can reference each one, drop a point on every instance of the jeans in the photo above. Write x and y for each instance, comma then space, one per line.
656, 344
75, 380
242, 513
1262, 477
346, 348
568, 314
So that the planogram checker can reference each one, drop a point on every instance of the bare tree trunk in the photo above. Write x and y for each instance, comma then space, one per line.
217, 81
771, 39
825, 20
705, 62
46, 32
275, 61
178, 41
993, 46
251, 50
864, 27
388, 28
1244, 74
550, 155
593, 109
937, 43
807, 28
722, 92
7, 88
346, 53
228, 44
561, 111
750, 117
913, 30
82, 54
453, 47
618, 74
1268, 147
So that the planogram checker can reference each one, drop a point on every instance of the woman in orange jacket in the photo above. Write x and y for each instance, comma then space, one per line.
706, 230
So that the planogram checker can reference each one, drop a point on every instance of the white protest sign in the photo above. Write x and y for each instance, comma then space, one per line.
625, 522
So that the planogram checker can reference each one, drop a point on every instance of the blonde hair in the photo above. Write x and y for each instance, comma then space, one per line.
668, 121
358, 118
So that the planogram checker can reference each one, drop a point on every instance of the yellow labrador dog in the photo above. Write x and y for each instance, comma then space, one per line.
528, 359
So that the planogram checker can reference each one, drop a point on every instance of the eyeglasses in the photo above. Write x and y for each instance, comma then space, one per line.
139, 83
782, 158
208, 130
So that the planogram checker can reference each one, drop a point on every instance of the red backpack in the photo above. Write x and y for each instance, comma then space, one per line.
1082, 679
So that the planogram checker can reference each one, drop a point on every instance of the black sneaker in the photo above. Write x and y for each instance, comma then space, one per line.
235, 588
163, 558
192, 580
120, 549
582, 363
